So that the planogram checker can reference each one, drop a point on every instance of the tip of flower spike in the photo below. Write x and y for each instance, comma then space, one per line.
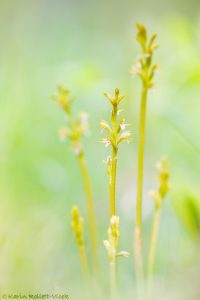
140, 26
116, 99
162, 164
141, 34
75, 211
63, 98
163, 179
62, 89
77, 225
116, 92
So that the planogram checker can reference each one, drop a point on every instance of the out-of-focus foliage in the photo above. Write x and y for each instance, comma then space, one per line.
188, 209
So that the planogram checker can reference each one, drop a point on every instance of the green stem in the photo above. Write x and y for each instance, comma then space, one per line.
114, 163
113, 183
91, 213
84, 262
113, 279
138, 263
153, 241
138, 228
141, 158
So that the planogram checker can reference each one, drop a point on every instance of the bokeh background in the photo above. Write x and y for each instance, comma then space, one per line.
90, 47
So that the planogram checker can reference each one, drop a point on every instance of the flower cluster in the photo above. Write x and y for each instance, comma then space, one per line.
111, 244
76, 126
163, 181
77, 225
144, 67
63, 98
116, 128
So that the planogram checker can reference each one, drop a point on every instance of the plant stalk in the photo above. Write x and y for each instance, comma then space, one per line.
141, 158
138, 264
91, 213
113, 183
138, 228
113, 279
153, 241
84, 262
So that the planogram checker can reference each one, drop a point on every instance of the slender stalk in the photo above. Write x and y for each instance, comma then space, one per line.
138, 263
114, 162
113, 183
138, 228
153, 242
158, 196
84, 263
145, 70
141, 158
152, 252
91, 214
113, 281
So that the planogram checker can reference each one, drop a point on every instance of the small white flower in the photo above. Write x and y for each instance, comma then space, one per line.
126, 134
123, 253
119, 111
107, 142
134, 70
76, 146
83, 116
77, 150
138, 64
114, 220
63, 134
142, 56
156, 71
123, 126
107, 245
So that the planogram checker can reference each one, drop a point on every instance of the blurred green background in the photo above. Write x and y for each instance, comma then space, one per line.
90, 47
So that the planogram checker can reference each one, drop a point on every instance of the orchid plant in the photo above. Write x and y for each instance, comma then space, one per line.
116, 133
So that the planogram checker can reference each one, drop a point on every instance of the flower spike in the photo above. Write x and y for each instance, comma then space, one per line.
143, 67
77, 127
117, 134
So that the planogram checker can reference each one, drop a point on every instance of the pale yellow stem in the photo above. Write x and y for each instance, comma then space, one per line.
113, 279
153, 241
91, 213
138, 263
138, 228
84, 262
141, 158
113, 183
